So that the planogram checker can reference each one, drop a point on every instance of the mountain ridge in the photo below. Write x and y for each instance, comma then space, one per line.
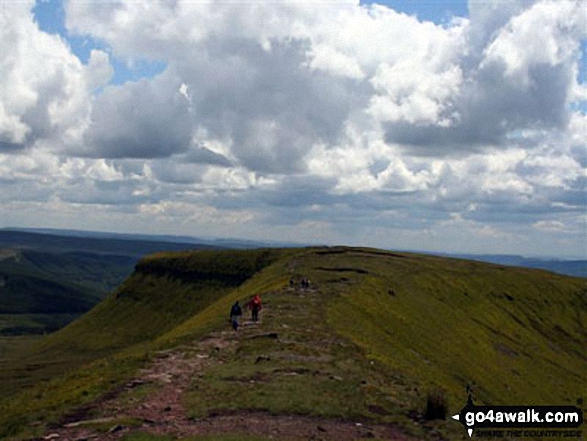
371, 337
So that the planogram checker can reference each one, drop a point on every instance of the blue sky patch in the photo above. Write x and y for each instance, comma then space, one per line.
437, 11
50, 16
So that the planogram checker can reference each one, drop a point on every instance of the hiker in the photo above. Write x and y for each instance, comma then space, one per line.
235, 313
291, 283
255, 307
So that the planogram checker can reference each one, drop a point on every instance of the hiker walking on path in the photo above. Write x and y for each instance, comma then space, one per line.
255, 307
235, 313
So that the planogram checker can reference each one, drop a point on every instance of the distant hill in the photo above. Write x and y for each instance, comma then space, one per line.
40, 292
231, 243
142, 244
47, 280
374, 334
96, 245
576, 268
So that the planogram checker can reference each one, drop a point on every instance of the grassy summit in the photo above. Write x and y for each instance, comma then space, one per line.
374, 334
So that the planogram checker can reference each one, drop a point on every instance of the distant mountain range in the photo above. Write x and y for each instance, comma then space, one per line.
97, 243
138, 245
166, 238
576, 268
48, 278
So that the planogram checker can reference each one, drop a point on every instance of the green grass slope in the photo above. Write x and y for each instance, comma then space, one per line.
99, 272
34, 301
372, 336
164, 291
41, 292
515, 335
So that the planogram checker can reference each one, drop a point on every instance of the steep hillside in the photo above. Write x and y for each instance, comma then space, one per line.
515, 335
50, 277
164, 291
366, 343
41, 292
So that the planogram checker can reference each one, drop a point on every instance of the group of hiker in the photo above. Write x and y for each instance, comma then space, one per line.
254, 305
236, 311
304, 283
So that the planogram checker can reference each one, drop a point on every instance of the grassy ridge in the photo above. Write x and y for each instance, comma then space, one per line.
515, 335
161, 294
117, 336
373, 335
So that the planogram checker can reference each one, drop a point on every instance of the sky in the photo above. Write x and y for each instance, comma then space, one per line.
442, 126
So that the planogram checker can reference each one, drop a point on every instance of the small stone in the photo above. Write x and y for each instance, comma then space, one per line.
116, 428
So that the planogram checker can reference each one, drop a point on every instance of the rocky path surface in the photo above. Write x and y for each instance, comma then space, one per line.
152, 403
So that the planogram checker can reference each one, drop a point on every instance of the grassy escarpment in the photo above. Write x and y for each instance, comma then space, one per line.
514, 335
164, 290
374, 333
416, 324
94, 353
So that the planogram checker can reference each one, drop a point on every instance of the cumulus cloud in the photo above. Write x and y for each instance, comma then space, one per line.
146, 119
274, 80
522, 78
336, 118
46, 90
265, 104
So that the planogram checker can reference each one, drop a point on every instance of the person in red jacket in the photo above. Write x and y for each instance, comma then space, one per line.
255, 307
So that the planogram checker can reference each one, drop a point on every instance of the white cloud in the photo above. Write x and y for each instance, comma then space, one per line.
548, 33
553, 226
328, 58
170, 211
335, 118
45, 92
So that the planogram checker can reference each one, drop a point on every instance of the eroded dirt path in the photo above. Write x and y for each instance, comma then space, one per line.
152, 402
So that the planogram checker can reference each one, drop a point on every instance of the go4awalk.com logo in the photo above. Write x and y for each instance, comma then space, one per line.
521, 421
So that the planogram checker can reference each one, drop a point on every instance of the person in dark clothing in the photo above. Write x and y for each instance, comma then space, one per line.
235, 313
